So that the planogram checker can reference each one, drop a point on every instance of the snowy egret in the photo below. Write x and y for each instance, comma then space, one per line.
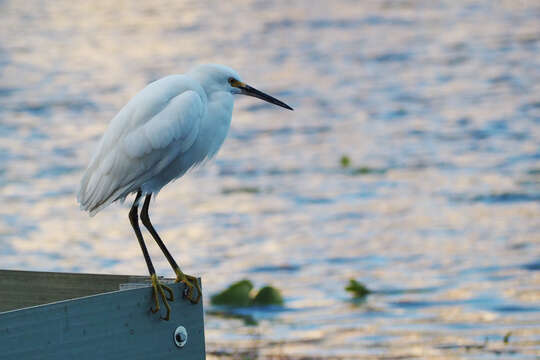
170, 126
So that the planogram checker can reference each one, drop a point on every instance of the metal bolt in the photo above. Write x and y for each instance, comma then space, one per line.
180, 336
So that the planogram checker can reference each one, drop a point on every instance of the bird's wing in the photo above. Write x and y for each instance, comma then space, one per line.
130, 159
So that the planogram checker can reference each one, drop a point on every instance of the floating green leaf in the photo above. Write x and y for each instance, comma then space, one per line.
239, 295
235, 295
357, 289
345, 161
268, 296
364, 170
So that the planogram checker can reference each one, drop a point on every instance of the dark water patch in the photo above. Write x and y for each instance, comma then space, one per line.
349, 215
365, 170
518, 136
417, 132
395, 114
464, 121
280, 172
444, 78
240, 190
487, 301
404, 97
36, 134
529, 38
249, 134
411, 304
64, 151
403, 291
258, 106
502, 198
312, 130
391, 57
409, 258
7, 129
439, 232
5, 91
530, 107
373, 20
533, 266
319, 24
369, 260
342, 24
504, 78
67, 191
516, 308
519, 246
305, 200
386, 20
498, 128
480, 270
45, 108
184, 28
506, 198
255, 172
275, 268
466, 347
457, 60
231, 171
24, 225
345, 260
479, 134
518, 159
56, 171
280, 25
285, 130
496, 277
451, 136
422, 165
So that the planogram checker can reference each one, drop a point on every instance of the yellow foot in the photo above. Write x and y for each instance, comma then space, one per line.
191, 282
159, 288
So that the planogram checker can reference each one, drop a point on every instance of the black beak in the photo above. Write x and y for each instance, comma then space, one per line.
248, 90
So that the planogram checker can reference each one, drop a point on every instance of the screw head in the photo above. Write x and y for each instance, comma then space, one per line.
180, 336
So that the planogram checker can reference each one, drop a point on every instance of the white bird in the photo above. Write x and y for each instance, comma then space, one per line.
170, 126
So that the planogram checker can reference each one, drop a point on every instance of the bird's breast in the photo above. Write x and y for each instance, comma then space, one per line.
216, 123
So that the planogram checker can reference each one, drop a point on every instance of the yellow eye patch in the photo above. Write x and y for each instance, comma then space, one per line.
235, 83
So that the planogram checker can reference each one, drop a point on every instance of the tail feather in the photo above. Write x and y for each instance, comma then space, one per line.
98, 191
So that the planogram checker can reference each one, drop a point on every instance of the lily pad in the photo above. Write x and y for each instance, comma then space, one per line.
365, 170
506, 338
345, 161
235, 295
357, 289
267, 296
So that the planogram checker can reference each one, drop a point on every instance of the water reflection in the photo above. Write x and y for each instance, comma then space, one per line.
436, 105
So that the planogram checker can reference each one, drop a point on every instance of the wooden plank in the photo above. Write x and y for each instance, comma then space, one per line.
114, 325
19, 289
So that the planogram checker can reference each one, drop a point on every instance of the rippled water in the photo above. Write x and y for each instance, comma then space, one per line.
437, 104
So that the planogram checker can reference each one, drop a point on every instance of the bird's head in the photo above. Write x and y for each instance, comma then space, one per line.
213, 77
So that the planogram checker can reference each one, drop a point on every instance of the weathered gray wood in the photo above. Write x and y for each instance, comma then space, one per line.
115, 325
20, 289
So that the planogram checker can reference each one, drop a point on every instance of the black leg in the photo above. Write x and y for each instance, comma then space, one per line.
134, 219
145, 218
158, 288
190, 281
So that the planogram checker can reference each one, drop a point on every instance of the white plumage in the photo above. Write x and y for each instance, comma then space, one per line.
170, 126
